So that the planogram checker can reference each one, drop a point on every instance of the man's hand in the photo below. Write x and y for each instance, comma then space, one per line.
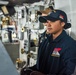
25, 71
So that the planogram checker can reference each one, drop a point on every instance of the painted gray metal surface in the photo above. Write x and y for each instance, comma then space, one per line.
6, 65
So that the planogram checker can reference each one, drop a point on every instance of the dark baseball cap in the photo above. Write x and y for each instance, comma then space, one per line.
54, 16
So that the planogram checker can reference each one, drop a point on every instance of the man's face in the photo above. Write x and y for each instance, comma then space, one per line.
54, 27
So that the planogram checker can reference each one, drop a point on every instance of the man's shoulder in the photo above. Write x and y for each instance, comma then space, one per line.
68, 41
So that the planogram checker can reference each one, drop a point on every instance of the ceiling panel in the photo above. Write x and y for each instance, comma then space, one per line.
19, 2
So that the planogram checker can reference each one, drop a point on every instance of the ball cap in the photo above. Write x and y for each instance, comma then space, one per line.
54, 16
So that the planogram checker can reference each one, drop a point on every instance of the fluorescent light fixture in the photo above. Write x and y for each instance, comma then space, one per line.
4, 9
4, 2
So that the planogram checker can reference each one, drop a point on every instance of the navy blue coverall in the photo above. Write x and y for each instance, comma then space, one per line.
56, 57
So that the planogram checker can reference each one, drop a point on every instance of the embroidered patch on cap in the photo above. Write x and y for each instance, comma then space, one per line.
61, 16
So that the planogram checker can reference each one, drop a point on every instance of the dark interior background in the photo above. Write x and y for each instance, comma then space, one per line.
19, 2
